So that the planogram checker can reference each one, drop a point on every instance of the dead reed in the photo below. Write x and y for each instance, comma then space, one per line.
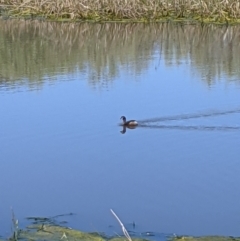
125, 10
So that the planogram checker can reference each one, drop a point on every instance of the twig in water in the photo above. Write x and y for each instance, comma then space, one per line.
125, 232
15, 227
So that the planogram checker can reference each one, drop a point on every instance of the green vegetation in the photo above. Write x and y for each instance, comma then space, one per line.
125, 10
46, 232
48, 229
49, 232
52, 232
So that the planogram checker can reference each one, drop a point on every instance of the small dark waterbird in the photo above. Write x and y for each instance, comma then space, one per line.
130, 123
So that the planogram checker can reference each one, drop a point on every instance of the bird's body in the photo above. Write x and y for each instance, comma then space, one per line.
130, 123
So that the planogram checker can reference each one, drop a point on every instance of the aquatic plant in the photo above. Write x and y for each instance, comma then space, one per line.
134, 10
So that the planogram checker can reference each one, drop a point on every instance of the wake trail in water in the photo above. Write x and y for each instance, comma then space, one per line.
195, 128
189, 116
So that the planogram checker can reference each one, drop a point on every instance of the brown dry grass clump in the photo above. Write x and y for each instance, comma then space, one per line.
134, 10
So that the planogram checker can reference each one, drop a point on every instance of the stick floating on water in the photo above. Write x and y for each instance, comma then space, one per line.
125, 232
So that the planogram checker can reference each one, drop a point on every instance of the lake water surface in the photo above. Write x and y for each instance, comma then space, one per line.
63, 89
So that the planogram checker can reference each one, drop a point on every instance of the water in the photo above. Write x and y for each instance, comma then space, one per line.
63, 89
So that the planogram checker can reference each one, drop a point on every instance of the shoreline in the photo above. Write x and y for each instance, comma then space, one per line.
50, 232
142, 11
230, 22
50, 229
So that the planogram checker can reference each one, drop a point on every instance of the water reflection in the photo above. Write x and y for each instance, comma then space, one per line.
64, 130
184, 128
194, 128
42, 50
124, 128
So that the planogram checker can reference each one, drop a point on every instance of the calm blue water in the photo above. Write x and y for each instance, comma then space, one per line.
62, 150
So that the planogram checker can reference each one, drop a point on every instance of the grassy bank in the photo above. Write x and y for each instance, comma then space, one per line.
55, 233
220, 11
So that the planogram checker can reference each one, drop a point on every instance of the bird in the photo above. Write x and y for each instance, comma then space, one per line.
130, 123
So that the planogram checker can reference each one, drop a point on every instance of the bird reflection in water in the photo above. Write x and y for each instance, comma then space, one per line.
185, 128
124, 128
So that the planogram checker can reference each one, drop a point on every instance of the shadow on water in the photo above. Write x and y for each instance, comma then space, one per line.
147, 122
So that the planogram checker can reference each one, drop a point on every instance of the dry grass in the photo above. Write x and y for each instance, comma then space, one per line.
135, 10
